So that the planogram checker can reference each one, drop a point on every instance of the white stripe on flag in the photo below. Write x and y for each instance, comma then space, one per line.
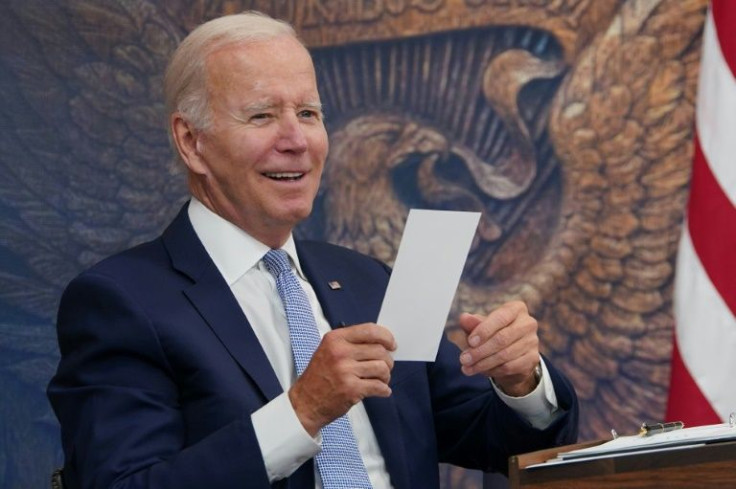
716, 111
706, 331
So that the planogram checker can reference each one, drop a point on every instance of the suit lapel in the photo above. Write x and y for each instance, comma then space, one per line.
384, 417
211, 296
338, 304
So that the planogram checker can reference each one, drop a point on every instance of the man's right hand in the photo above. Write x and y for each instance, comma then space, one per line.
350, 364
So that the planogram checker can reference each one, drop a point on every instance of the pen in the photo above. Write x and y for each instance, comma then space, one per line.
654, 428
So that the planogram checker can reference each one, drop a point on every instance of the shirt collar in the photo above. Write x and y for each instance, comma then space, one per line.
233, 251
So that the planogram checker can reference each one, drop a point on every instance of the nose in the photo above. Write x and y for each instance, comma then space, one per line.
292, 138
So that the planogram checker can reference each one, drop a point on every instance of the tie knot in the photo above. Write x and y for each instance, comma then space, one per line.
277, 262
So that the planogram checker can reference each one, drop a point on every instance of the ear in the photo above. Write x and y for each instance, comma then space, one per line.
186, 138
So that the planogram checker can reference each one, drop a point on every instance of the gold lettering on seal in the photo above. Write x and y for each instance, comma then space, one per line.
567, 6
320, 12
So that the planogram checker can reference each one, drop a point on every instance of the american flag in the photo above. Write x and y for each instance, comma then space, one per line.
703, 388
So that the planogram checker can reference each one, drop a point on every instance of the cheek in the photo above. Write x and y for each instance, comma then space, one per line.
247, 146
320, 147
325, 140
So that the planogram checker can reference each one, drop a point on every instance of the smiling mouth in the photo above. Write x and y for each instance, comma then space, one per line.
285, 176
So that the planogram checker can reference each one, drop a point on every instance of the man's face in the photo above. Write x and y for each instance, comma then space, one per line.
261, 158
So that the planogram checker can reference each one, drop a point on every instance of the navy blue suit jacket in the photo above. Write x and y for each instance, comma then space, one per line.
160, 372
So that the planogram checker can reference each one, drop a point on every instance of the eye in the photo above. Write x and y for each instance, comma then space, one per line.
309, 114
260, 116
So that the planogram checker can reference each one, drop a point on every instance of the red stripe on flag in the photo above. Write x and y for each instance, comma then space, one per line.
712, 225
724, 15
686, 402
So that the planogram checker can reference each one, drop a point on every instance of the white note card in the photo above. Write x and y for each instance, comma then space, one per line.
426, 273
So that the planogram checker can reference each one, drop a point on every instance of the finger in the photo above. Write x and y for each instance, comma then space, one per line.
516, 370
501, 357
468, 321
374, 369
368, 352
521, 328
374, 388
495, 321
369, 333
527, 347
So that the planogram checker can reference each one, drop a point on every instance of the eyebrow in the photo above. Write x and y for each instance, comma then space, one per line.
267, 105
312, 105
259, 107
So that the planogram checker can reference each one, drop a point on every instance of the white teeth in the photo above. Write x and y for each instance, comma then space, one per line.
284, 175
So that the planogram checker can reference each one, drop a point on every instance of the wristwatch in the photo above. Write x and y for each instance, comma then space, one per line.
537, 374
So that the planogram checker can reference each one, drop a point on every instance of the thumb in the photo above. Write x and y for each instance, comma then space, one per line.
468, 321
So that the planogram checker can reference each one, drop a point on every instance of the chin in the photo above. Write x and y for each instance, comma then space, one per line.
293, 217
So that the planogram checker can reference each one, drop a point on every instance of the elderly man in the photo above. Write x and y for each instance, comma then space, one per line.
217, 355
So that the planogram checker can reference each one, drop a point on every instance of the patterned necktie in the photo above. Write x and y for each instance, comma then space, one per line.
339, 462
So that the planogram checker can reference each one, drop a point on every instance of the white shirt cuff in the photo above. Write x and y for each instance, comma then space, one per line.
539, 407
285, 444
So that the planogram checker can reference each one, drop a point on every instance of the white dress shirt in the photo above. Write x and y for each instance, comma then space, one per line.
284, 443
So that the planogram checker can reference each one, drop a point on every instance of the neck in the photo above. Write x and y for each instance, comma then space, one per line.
274, 236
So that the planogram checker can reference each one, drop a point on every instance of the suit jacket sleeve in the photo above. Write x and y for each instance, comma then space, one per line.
117, 398
476, 429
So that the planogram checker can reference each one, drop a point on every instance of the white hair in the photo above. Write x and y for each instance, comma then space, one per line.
185, 80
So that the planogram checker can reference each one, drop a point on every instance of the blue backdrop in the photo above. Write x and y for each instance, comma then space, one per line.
567, 123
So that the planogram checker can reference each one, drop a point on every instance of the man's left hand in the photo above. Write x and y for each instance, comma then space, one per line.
503, 346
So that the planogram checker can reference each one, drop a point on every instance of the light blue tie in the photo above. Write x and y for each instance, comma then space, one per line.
339, 462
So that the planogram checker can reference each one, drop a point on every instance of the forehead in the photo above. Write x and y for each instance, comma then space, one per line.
260, 66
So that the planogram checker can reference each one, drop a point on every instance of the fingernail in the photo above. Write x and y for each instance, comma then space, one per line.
465, 358
473, 341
